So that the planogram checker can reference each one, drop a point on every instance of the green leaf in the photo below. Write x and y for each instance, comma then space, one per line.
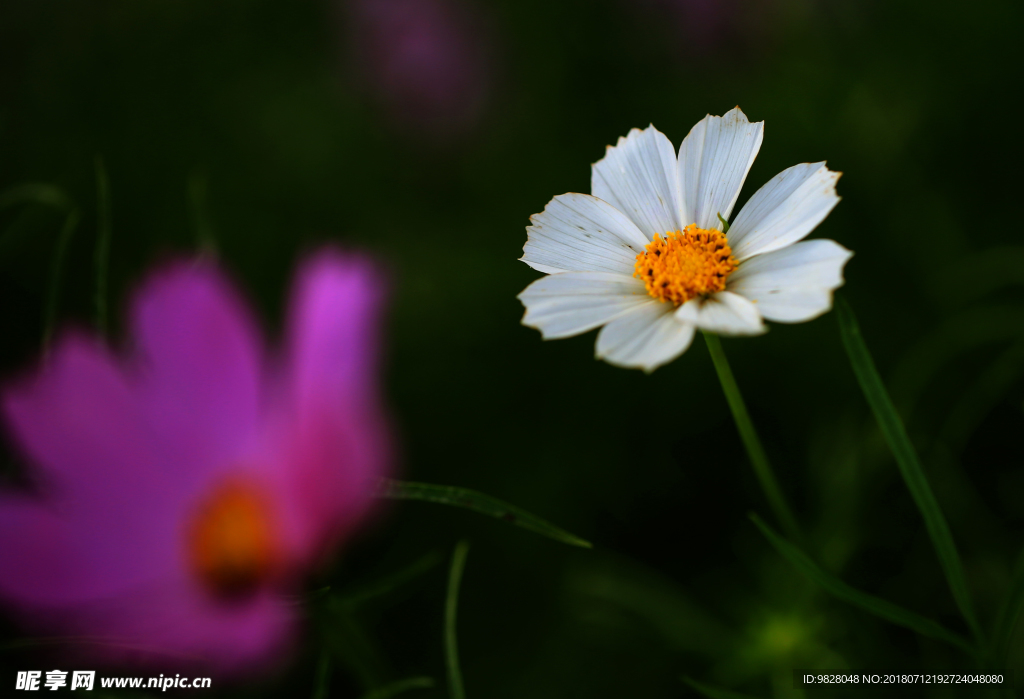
478, 502
400, 687
869, 603
725, 224
715, 692
451, 646
906, 459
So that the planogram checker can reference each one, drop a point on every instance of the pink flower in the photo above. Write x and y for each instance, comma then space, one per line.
425, 60
185, 489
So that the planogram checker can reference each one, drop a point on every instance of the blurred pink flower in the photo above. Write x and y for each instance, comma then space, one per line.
185, 488
699, 24
426, 61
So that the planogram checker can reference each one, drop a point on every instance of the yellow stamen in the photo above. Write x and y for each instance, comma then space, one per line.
231, 540
684, 265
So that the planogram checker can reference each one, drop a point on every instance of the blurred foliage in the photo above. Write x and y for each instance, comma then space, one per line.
240, 128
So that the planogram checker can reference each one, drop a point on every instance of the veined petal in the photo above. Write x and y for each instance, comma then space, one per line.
795, 283
570, 303
638, 177
724, 313
581, 233
785, 210
644, 338
714, 160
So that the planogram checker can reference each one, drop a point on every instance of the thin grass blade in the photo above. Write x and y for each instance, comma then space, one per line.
906, 459
869, 603
451, 645
478, 502
392, 582
1009, 616
350, 644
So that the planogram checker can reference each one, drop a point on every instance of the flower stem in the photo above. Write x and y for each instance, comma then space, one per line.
102, 252
752, 443
451, 646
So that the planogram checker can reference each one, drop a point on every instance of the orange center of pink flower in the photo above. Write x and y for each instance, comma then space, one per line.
231, 542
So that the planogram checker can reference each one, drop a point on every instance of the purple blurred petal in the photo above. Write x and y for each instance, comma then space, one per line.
333, 331
200, 366
45, 564
80, 422
425, 60
337, 448
174, 623
696, 24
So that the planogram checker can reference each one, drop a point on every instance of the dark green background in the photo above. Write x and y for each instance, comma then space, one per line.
242, 118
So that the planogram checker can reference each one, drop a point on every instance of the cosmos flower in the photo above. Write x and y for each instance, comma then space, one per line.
645, 255
185, 488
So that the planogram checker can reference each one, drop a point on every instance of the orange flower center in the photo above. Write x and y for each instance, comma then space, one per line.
231, 541
685, 264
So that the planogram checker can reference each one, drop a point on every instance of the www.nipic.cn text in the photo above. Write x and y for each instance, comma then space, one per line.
34, 680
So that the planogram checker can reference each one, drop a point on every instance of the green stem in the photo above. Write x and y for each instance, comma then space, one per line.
451, 646
198, 186
752, 443
56, 270
102, 255
321, 683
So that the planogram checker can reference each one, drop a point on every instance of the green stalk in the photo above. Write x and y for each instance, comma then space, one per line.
56, 270
322, 681
103, 236
451, 646
906, 459
752, 443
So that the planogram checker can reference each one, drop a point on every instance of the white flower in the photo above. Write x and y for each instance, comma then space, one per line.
645, 255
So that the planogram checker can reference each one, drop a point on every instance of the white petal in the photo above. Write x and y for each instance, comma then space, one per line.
795, 283
724, 313
570, 303
581, 233
714, 159
785, 210
638, 177
644, 338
